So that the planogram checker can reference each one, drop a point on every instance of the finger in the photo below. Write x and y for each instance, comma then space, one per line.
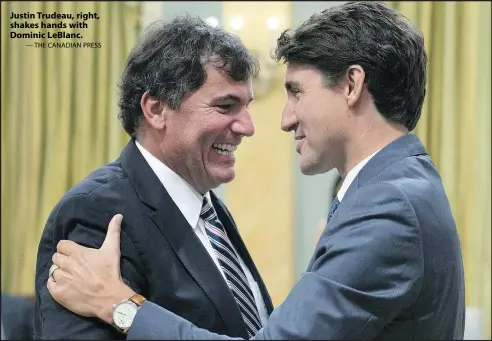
54, 289
61, 260
55, 284
112, 241
66, 247
51, 285
52, 271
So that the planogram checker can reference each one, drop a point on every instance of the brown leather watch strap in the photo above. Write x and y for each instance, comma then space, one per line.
137, 299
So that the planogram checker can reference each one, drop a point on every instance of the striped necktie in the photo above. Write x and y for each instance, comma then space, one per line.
229, 262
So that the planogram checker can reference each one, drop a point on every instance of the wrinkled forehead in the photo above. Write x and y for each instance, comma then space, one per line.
219, 84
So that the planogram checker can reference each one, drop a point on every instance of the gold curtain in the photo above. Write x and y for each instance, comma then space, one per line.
59, 120
455, 126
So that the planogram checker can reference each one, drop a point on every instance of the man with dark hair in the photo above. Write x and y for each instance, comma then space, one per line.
184, 101
388, 264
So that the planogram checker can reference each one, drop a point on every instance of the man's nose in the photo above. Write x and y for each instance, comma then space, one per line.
289, 119
244, 124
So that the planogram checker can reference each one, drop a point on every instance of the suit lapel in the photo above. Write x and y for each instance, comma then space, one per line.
232, 231
180, 235
143, 179
201, 267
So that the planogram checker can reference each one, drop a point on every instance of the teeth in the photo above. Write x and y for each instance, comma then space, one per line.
223, 152
224, 146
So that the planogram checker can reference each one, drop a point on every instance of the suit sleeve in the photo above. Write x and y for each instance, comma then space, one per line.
84, 220
362, 277
16, 317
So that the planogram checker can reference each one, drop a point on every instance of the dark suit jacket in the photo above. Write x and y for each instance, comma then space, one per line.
162, 258
387, 266
16, 317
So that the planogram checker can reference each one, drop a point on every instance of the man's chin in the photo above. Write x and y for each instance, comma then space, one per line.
226, 179
308, 171
313, 168
223, 177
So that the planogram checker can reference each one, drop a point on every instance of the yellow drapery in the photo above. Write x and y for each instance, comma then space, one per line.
455, 126
59, 120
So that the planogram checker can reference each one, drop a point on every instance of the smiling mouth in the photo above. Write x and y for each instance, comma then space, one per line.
224, 148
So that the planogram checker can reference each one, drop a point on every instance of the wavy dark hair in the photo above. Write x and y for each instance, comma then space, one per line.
381, 40
168, 62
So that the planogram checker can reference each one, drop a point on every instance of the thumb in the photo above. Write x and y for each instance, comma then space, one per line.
112, 241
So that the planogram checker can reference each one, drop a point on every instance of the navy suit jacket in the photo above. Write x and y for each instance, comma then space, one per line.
17, 315
387, 266
161, 256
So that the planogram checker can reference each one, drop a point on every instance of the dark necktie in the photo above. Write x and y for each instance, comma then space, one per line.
229, 262
333, 208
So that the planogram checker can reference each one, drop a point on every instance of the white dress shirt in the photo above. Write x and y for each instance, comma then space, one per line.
189, 202
351, 176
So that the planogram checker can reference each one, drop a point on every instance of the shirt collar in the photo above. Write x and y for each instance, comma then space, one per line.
351, 176
188, 200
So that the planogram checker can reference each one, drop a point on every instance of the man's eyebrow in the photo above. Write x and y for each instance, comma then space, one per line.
226, 98
229, 97
289, 85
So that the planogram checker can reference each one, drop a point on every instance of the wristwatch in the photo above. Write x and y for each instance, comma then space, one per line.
125, 311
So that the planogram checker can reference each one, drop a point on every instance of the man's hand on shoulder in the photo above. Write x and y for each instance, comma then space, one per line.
88, 281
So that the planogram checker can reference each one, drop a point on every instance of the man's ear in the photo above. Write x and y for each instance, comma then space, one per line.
355, 77
154, 110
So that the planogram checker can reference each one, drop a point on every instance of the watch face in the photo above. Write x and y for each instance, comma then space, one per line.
123, 314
